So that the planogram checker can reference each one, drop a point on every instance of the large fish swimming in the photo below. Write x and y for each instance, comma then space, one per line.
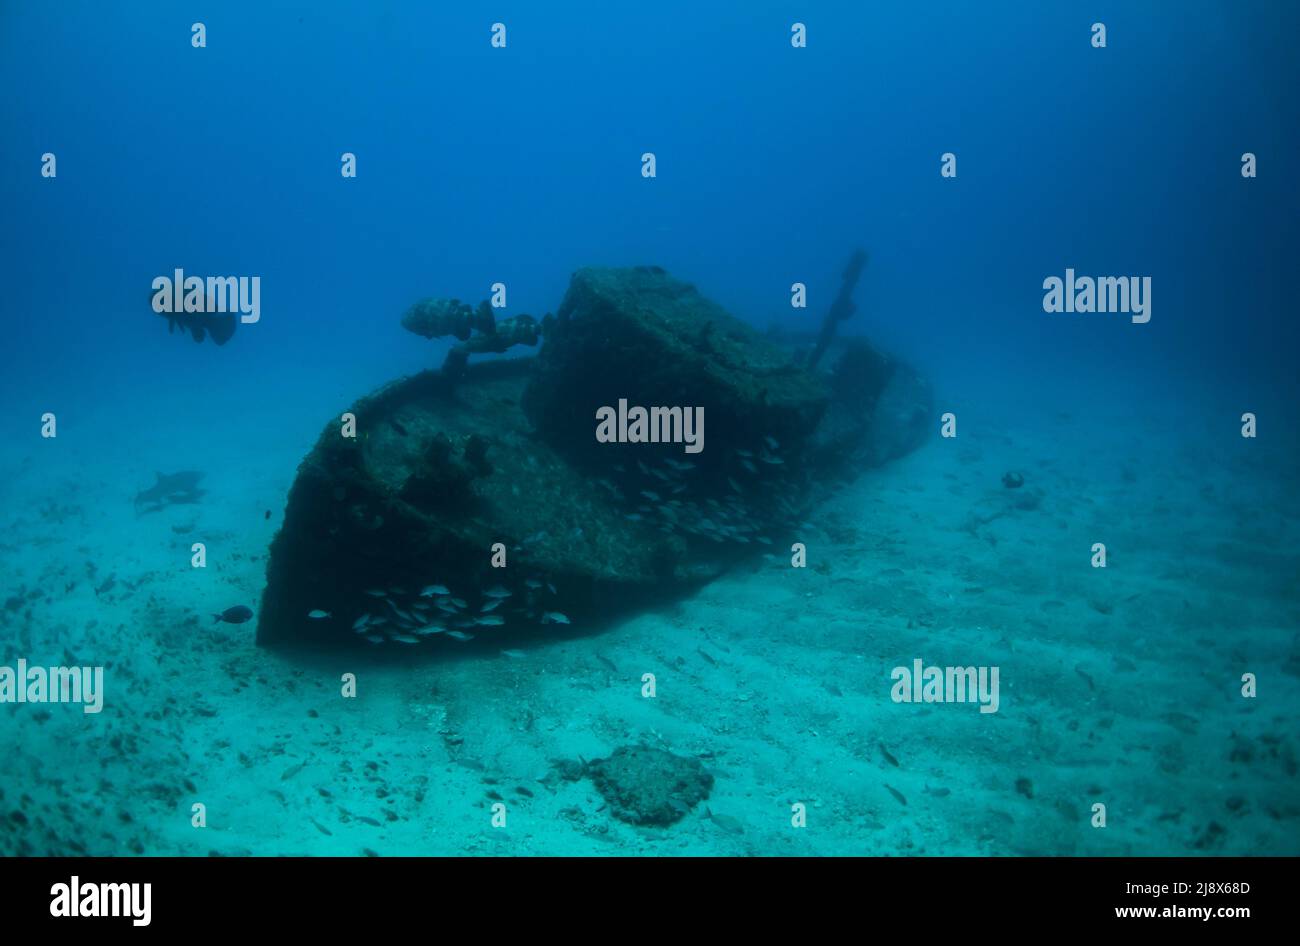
219, 326
170, 489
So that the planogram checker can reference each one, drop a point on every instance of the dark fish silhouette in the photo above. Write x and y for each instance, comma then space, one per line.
236, 615
220, 326
171, 489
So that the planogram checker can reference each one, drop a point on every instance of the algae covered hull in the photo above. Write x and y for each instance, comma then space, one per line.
482, 501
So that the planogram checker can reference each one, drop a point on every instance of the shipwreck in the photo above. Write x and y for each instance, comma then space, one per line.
480, 498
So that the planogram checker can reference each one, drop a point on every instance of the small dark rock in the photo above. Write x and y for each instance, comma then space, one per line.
1212, 837
571, 770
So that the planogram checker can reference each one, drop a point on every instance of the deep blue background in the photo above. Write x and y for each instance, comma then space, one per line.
478, 164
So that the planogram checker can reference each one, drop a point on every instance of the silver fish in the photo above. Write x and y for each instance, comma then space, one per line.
432, 590
554, 617
318, 614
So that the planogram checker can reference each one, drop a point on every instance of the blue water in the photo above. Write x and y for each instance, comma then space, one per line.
478, 165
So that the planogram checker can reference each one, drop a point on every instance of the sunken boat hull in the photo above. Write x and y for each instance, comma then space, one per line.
483, 502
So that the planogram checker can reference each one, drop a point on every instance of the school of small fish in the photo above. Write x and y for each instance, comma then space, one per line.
666, 506
404, 618
435, 610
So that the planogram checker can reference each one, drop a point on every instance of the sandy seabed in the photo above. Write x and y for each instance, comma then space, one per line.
1118, 686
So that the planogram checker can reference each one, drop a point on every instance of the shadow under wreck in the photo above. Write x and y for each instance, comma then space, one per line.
518, 494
